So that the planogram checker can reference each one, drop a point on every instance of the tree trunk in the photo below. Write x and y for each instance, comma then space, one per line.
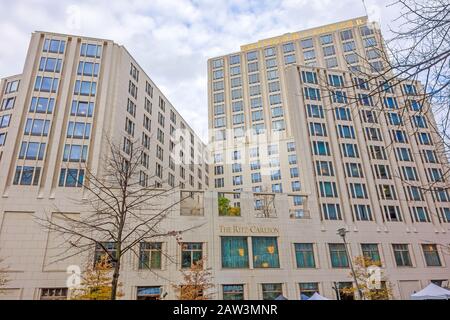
115, 280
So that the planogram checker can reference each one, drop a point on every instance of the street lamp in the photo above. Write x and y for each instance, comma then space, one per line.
342, 232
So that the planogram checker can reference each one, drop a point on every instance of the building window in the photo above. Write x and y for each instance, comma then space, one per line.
85, 88
345, 294
307, 289
12, 86
27, 176
91, 50
105, 248
401, 254
304, 254
234, 252
191, 253
42, 105
82, 108
32, 151
78, 130
271, 291
37, 127
8, 103
233, 292
307, 43
338, 255
75, 153
150, 255
46, 84
88, 69
148, 293
331, 211
54, 46
431, 254
71, 178
50, 65
53, 294
265, 252
2, 138
362, 212
370, 251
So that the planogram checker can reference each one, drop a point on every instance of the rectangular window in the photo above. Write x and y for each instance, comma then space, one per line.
85, 88
37, 127
331, 211
54, 46
271, 291
401, 254
82, 108
191, 253
46, 84
338, 255
105, 248
71, 178
32, 151
54, 294
12, 86
50, 65
315, 111
75, 153
78, 130
304, 255
431, 254
233, 292
234, 252
362, 212
370, 251
265, 252
150, 255
88, 69
42, 105
27, 176
307, 289
4, 121
91, 50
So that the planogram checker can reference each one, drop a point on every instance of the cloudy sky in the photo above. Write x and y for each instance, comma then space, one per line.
172, 39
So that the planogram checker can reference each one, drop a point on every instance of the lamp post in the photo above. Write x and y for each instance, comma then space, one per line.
342, 232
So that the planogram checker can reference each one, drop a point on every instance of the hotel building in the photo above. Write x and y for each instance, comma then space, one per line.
267, 223
305, 114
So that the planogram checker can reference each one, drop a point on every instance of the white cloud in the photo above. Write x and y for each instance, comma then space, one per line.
171, 39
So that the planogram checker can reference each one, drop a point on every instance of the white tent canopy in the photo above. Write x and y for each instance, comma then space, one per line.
317, 296
431, 292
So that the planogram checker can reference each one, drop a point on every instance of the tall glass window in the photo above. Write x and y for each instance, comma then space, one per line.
304, 255
150, 255
370, 250
431, 255
338, 255
191, 253
265, 252
402, 257
234, 252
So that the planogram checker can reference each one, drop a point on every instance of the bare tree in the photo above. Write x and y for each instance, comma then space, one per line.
197, 281
265, 205
120, 209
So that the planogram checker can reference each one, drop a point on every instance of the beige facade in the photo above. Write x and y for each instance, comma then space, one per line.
301, 114
259, 240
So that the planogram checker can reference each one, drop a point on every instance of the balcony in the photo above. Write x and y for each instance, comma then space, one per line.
229, 204
264, 205
298, 207
192, 203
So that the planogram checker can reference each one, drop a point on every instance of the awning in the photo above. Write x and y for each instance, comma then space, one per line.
431, 292
317, 296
